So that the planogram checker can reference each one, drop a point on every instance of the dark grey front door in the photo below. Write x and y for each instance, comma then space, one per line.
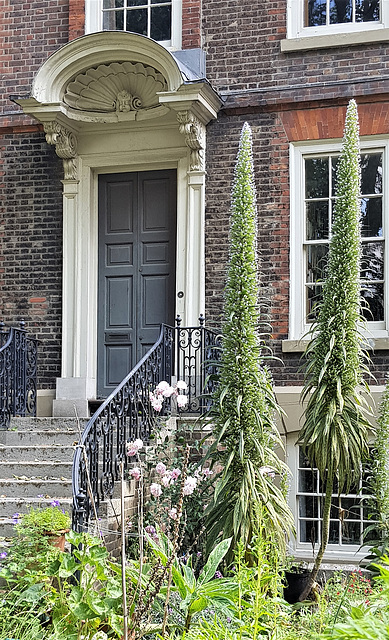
137, 257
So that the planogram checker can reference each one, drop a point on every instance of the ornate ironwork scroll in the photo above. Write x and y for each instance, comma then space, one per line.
180, 353
18, 373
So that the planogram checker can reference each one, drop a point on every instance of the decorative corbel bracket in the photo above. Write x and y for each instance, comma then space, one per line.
194, 132
65, 146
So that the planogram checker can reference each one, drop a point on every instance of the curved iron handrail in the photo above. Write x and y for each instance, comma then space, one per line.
125, 415
187, 353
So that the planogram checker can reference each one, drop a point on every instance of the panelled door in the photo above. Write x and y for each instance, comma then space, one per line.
137, 258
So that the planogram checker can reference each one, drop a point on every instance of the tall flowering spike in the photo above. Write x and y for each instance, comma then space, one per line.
380, 480
244, 405
334, 434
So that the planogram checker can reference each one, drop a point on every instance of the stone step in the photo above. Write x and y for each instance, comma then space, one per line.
29, 470
51, 424
47, 453
10, 506
32, 488
35, 437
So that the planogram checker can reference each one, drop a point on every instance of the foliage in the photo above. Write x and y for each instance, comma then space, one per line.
42, 584
369, 619
18, 622
244, 406
379, 485
52, 520
202, 592
334, 434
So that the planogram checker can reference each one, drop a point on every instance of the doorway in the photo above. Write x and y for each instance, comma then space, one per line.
137, 268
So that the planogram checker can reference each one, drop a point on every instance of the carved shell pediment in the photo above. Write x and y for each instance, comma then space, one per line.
117, 87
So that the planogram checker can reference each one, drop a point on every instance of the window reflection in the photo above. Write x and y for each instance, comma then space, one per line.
319, 13
320, 188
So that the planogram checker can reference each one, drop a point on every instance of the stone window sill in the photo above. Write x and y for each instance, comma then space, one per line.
354, 38
299, 346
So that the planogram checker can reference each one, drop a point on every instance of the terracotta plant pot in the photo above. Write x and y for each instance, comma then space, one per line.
57, 538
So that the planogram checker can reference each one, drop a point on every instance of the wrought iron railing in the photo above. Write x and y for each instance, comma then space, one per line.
18, 373
180, 353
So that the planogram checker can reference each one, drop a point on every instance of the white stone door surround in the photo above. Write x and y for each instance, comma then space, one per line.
117, 102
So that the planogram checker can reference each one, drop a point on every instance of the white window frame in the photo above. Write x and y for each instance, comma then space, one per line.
303, 550
296, 29
94, 21
298, 327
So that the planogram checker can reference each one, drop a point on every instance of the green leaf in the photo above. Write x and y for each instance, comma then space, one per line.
214, 560
82, 611
198, 605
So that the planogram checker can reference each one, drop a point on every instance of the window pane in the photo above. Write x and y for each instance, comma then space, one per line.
161, 21
351, 509
309, 531
316, 178
333, 537
315, 13
317, 255
371, 173
371, 217
113, 20
308, 507
373, 296
367, 10
334, 167
372, 261
307, 481
303, 460
340, 11
160, 1
314, 295
351, 532
136, 3
317, 220
334, 511
137, 21
113, 4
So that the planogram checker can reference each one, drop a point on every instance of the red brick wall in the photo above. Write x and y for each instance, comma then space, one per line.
191, 24
76, 19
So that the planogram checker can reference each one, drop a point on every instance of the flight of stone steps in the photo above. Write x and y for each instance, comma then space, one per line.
36, 457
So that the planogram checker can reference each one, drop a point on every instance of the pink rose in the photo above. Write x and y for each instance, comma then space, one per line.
160, 468
182, 401
136, 473
173, 513
155, 489
175, 473
189, 486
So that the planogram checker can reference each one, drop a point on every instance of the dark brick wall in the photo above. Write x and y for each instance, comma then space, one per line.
31, 245
29, 32
243, 53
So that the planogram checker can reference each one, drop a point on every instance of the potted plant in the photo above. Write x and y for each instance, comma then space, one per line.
52, 522
296, 576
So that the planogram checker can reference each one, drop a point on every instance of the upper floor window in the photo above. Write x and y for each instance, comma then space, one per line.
156, 19
335, 22
312, 205
328, 12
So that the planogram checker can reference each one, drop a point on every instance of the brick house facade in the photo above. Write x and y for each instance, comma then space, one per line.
287, 71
